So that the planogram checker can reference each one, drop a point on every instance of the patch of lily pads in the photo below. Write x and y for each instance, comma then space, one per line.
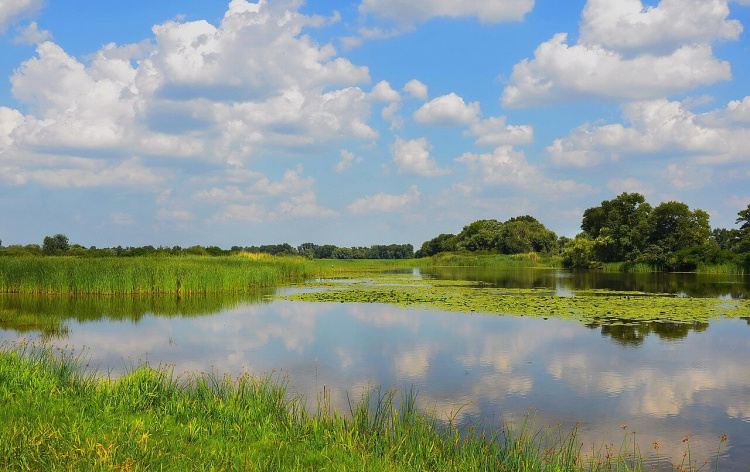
601, 307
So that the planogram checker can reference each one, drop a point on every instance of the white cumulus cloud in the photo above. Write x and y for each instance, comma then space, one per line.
629, 25
12, 10
655, 126
413, 158
448, 110
416, 89
495, 131
383, 202
507, 167
562, 72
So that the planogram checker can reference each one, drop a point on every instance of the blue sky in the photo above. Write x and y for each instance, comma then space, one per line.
360, 123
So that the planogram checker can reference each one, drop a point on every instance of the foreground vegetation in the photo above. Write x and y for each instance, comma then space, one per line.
56, 416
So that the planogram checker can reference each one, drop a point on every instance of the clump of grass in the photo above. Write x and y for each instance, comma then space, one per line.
57, 416
167, 275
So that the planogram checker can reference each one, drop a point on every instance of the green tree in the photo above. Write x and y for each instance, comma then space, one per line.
674, 235
578, 253
525, 234
481, 235
615, 227
55, 245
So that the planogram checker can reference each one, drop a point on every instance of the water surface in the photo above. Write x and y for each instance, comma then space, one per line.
663, 380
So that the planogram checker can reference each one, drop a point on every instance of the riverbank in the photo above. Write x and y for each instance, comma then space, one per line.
57, 416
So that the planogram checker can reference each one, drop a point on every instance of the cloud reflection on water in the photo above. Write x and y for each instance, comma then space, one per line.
467, 367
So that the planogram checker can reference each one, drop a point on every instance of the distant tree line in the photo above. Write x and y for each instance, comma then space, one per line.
669, 236
59, 245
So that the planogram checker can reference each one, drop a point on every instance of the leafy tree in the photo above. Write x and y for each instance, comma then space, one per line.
578, 253
672, 227
525, 234
743, 217
615, 227
443, 243
54, 245
481, 235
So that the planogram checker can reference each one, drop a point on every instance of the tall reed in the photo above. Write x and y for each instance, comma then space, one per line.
176, 275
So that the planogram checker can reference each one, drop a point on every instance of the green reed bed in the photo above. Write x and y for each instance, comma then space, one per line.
529, 260
176, 275
55, 415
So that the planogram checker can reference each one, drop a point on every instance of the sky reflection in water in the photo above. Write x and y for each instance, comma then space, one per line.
663, 381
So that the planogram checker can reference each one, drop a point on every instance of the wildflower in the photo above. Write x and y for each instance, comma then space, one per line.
624, 426
656, 445
723, 437
687, 438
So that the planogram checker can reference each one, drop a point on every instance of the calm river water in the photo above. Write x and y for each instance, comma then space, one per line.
662, 380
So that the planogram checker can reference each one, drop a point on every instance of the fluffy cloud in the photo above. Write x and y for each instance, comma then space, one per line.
31, 34
617, 186
383, 202
562, 72
86, 173
487, 11
413, 158
495, 132
658, 126
384, 93
628, 25
11, 10
293, 195
508, 167
416, 89
448, 110
347, 160
251, 86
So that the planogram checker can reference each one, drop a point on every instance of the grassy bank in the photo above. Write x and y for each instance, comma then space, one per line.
56, 416
145, 275
459, 259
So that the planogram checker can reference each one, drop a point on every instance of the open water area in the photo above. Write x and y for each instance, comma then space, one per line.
655, 382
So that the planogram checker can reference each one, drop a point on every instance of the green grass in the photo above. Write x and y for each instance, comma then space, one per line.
54, 415
460, 259
166, 275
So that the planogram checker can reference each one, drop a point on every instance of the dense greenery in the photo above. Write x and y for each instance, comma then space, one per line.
669, 236
516, 236
56, 416
624, 233
173, 275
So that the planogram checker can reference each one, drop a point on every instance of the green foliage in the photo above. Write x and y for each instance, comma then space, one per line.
55, 245
518, 235
578, 253
616, 227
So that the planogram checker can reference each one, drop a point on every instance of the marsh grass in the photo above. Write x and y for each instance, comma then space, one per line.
57, 415
183, 275
527, 260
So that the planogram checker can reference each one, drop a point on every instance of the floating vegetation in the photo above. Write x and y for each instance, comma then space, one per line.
601, 307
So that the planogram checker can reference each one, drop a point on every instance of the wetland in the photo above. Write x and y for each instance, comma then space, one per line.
665, 355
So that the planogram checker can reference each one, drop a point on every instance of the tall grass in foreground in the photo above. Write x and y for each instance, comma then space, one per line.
57, 416
176, 275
